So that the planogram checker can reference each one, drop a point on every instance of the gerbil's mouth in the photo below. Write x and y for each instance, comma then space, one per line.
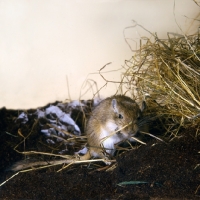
117, 131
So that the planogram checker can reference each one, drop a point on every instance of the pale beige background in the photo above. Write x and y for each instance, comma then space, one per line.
44, 43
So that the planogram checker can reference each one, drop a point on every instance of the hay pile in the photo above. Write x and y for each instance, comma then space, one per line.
166, 73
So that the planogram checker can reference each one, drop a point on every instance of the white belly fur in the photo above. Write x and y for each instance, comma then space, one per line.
109, 143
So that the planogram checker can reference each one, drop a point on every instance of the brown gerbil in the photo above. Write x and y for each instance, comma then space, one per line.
114, 120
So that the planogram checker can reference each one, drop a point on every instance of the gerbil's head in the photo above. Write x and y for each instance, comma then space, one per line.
127, 114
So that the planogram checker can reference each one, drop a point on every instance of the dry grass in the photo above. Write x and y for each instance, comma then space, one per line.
166, 73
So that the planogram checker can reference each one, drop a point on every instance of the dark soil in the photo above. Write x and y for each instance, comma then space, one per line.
163, 170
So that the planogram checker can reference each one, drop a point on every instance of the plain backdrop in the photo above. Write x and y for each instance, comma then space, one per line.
53, 50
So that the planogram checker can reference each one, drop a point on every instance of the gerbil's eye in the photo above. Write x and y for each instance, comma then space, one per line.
120, 116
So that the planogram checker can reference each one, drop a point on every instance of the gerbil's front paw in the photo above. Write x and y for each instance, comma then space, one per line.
106, 161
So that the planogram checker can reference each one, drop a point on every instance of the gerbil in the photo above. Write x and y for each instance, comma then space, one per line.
114, 120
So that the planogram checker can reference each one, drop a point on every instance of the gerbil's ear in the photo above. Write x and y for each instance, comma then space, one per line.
143, 106
114, 105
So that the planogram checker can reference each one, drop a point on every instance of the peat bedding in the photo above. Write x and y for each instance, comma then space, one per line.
169, 170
